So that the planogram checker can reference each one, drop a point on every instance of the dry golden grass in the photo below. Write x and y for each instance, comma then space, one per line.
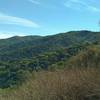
70, 84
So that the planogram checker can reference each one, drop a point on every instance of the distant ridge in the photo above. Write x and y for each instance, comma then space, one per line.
27, 46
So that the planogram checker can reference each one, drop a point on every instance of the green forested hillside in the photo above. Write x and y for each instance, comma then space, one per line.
26, 47
19, 55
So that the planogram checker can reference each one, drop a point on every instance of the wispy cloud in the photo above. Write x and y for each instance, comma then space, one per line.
93, 8
34, 2
81, 5
4, 34
12, 20
44, 4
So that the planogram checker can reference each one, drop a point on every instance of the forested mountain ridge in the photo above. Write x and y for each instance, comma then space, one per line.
29, 46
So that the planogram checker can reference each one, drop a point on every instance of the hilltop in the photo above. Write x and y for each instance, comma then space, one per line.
15, 48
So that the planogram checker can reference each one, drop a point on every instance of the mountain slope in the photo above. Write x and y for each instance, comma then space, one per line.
22, 55
87, 58
29, 46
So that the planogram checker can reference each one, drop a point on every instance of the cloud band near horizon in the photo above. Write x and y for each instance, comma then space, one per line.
12, 20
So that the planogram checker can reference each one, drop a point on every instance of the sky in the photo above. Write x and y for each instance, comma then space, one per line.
47, 17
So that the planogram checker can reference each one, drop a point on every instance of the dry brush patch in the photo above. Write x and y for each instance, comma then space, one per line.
71, 84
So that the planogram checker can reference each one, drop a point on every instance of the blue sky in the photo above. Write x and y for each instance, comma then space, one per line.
46, 17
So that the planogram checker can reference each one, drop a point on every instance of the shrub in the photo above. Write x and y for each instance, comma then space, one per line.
70, 84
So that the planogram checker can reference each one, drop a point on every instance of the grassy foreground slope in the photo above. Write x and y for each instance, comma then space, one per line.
79, 80
71, 84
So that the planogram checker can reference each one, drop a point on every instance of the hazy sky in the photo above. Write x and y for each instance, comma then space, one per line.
45, 17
